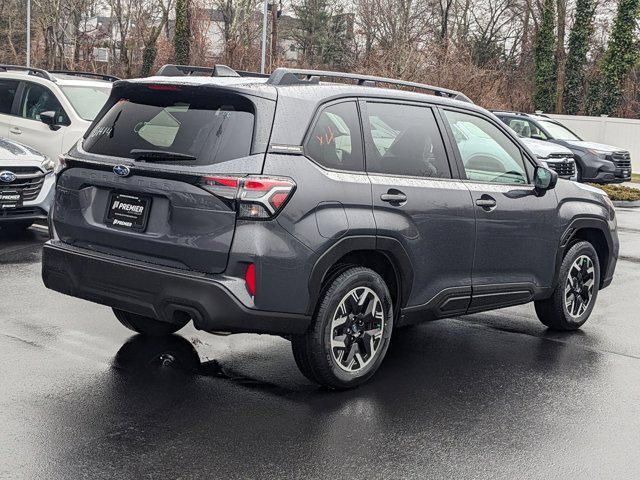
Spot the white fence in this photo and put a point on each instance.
(619, 132)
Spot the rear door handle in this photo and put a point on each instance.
(15, 130)
(487, 202)
(394, 197)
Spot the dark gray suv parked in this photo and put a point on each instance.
(595, 162)
(328, 213)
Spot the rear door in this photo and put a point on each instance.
(152, 181)
(419, 201)
(517, 229)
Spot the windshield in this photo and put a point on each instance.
(176, 125)
(557, 131)
(86, 101)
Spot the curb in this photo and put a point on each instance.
(620, 203)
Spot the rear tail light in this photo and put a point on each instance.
(225, 187)
(256, 197)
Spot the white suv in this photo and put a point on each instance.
(49, 111)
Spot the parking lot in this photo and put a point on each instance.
(489, 395)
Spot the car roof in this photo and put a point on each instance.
(58, 79)
(62, 79)
(319, 92)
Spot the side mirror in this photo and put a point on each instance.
(544, 178)
(49, 118)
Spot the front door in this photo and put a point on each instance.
(8, 90)
(26, 126)
(419, 201)
(517, 230)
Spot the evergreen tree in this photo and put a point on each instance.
(323, 34)
(579, 38)
(620, 57)
(544, 96)
(182, 35)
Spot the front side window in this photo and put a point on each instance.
(38, 99)
(87, 101)
(198, 127)
(335, 140)
(8, 90)
(406, 141)
(526, 129)
(488, 155)
(558, 132)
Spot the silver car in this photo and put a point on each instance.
(26, 185)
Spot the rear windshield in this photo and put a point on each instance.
(196, 126)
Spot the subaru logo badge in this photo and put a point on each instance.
(7, 177)
(121, 170)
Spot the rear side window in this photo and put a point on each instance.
(185, 126)
(8, 90)
(405, 140)
(526, 129)
(335, 141)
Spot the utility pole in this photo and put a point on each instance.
(274, 34)
(28, 33)
(263, 60)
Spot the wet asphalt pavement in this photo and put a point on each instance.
(491, 395)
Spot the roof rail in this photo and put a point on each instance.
(108, 78)
(296, 76)
(215, 71)
(38, 72)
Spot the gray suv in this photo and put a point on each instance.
(595, 162)
(328, 213)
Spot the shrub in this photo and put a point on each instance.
(620, 192)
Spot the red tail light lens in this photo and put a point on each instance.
(256, 197)
(250, 279)
(225, 187)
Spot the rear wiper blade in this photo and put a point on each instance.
(160, 156)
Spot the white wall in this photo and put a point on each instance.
(619, 132)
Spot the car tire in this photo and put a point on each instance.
(350, 331)
(147, 325)
(576, 291)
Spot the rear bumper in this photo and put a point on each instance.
(157, 292)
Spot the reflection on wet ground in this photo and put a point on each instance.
(492, 395)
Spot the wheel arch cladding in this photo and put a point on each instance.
(597, 238)
(596, 232)
(385, 256)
